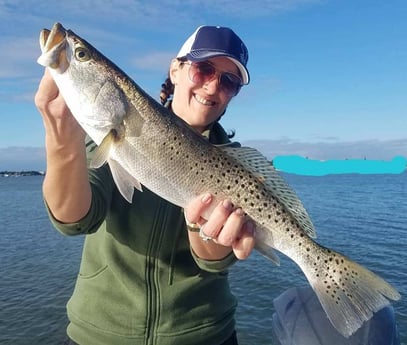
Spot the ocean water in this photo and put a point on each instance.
(362, 216)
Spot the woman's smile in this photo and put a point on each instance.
(204, 101)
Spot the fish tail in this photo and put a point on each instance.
(348, 292)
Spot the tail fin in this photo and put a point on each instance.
(348, 292)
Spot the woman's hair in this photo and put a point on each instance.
(167, 90)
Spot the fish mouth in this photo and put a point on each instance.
(52, 45)
(50, 39)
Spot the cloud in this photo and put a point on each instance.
(155, 61)
(18, 56)
(15, 97)
(324, 150)
(19, 72)
(22, 158)
(167, 11)
(258, 8)
(103, 21)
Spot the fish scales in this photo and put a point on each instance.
(204, 167)
(191, 162)
(145, 144)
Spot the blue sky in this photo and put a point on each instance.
(328, 77)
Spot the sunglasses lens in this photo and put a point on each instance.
(202, 72)
(230, 83)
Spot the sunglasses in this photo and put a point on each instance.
(203, 72)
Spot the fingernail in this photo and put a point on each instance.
(207, 198)
(239, 212)
(227, 204)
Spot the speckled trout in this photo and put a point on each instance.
(146, 145)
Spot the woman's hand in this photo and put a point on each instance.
(227, 226)
(66, 186)
(61, 127)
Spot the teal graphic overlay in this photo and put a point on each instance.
(304, 166)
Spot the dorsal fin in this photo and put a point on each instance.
(254, 161)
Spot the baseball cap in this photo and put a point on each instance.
(213, 41)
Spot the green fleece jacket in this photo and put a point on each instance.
(139, 282)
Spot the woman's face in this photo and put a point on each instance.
(200, 104)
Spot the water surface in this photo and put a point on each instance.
(363, 216)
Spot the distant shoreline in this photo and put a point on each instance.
(21, 173)
(299, 165)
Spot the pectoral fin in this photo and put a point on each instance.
(103, 151)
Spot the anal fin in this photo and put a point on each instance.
(268, 252)
(124, 181)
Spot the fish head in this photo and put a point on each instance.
(86, 80)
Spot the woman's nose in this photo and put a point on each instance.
(211, 86)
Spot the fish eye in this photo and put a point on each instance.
(82, 54)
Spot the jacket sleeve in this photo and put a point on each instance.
(102, 188)
(215, 266)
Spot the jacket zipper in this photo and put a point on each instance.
(152, 276)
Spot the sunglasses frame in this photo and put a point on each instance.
(231, 88)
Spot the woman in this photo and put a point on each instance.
(144, 278)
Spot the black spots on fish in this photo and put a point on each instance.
(333, 293)
(174, 147)
(265, 206)
(331, 287)
(339, 276)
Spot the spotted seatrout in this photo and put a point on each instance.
(145, 144)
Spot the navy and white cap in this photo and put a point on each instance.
(213, 41)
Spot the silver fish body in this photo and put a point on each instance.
(145, 144)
